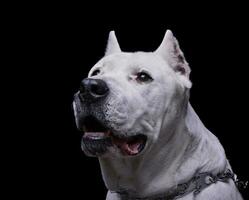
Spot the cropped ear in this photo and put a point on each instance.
(112, 44)
(170, 50)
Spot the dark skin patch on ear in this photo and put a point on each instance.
(181, 69)
(178, 54)
(175, 48)
(180, 59)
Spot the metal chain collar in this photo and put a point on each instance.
(198, 183)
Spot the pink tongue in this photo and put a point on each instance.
(130, 149)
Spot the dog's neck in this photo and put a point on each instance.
(179, 154)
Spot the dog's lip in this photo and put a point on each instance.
(128, 145)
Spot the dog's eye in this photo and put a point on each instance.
(95, 72)
(143, 77)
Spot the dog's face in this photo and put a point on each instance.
(120, 107)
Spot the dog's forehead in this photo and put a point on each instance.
(131, 61)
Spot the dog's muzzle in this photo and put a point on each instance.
(98, 136)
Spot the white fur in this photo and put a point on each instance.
(112, 45)
(178, 145)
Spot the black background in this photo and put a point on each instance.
(57, 45)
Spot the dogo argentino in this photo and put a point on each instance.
(136, 117)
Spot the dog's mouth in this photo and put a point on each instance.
(97, 138)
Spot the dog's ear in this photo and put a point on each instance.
(112, 44)
(171, 52)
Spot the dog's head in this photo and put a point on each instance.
(127, 97)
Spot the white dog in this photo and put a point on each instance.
(135, 113)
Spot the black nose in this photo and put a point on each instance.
(93, 88)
